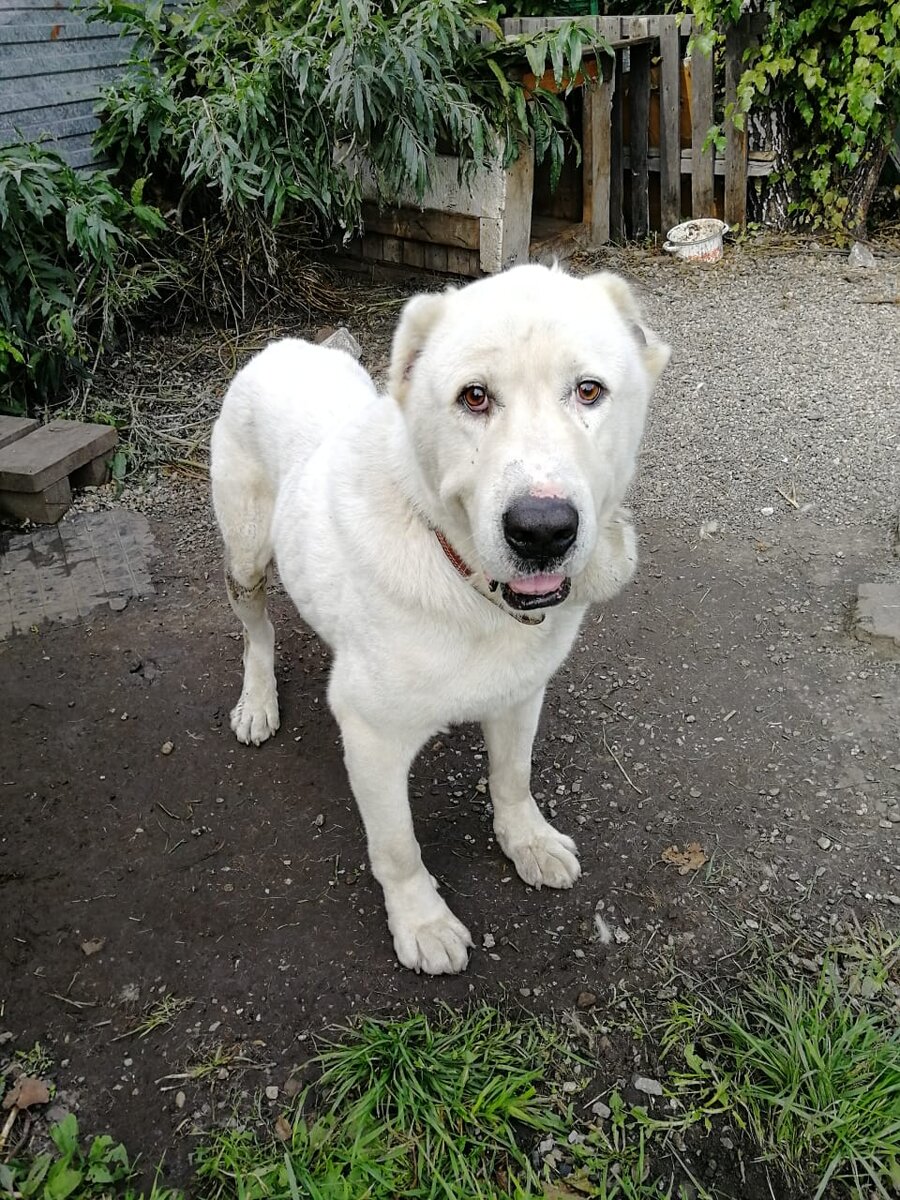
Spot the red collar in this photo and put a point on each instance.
(457, 563)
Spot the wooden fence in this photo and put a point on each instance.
(646, 122)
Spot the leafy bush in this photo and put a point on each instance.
(256, 110)
(71, 263)
(833, 66)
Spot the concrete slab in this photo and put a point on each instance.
(878, 613)
(65, 572)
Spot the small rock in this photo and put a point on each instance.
(823, 843)
(586, 1000)
(570, 1087)
(579, 953)
(601, 1110)
(650, 1087)
(488, 941)
(180, 1099)
(167, 748)
(118, 603)
(893, 815)
(767, 511)
(861, 256)
(343, 339)
(272, 1092)
(5, 1037)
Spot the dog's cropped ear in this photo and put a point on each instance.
(656, 354)
(419, 317)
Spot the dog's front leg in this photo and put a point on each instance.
(542, 855)
(427, 936)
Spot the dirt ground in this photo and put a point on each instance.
(721, 700)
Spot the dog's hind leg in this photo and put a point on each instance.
(542, 855)
(255, 716)
(244, 502)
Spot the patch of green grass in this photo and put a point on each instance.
(443, 1107)
(419, 1107)
(69, 1172)
(809, 1071)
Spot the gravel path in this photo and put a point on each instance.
(784, 376)
(783, 396)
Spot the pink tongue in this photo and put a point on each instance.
(536, 585)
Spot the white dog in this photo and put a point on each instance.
(445, 539)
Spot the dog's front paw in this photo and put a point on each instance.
(427, 936)
(255, 716)
(544, 857)
(437, 947)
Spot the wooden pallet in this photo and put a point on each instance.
(41, 464)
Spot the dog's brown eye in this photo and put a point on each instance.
(589, 391)
(475, 398)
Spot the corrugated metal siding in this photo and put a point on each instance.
(52, 67)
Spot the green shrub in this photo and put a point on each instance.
(833, 68)
(254, 110)
(71, 263)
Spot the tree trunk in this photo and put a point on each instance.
(769, 129)
(861, 187)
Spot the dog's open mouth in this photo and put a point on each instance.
(535, 591)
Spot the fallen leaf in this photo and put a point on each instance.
(93, 946)
(691, 858)
(283, 1129)
(25, 1092)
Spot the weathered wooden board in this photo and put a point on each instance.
(639, 123)
(13, 428)
(52, 452)
(441, 228)
(735, 139)
(670, 136)
(702, 161)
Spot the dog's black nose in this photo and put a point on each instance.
(541, 528)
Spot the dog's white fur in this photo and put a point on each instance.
(344, 488)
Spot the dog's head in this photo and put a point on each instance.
(525, 396)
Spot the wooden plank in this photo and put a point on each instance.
(703, 163)
(53, 27)
(669, 122)
(43, 119)
(412, 254)
(52, 452)
(20, 96)
(759, 163)
(735, 139)
(639, 125)
(25, 62)
(616, 157)
(463, 262)
(440, 228)
(597, 129)
(435, 257)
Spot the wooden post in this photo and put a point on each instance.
(735, 139)
(597, 127)
(617, 158)
(639, 119)
(669, 123)
(703, 163)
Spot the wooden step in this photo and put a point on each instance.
(39, 468)
(13, 428)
